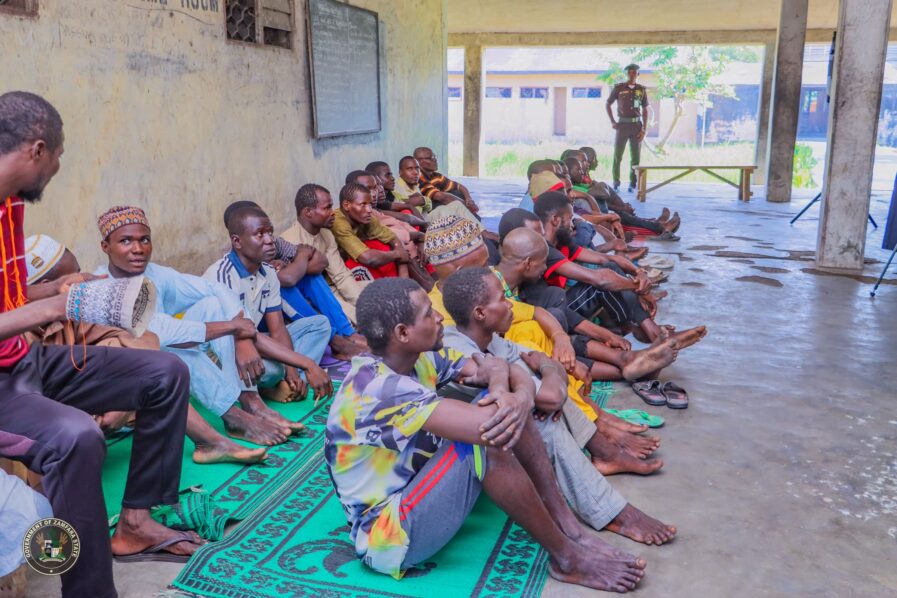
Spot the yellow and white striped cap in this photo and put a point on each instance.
(41, 254)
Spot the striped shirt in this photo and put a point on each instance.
(430, 185)
(259, 293)
(12, 215)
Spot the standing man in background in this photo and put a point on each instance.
(631, 122)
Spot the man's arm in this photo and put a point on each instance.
(278, 332)
(375, 258)
(342, 278)
(610, 100)
(604, 279)
(31, 315)
(563, 348)
(552, 392)
(317, 378)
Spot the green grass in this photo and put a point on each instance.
(511, 160)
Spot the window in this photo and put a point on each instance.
(534, 93)
(20, 7)
(811, 101)
(586, 92)
(269, 22)
(454, 93)
(498, 92)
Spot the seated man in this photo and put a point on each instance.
(213, 338)
(370, 249)
(46, 404)
(392, 202)
(305, 292)
(439, 188)
(602, 191)
(408, 466)
(474, 298)
(524, 255)
(247, 271)
(408, 189)
(453, 244)
(49, 261)
(314, 219)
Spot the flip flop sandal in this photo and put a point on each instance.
(158, 553)
(638, 417)
(657, 261)
(676, 396)
(650, 392)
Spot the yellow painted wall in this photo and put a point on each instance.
(163, 112)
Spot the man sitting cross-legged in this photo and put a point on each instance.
(314, 219)
(453, 244)
(56, 262)
(212, 338)
(370, 249)
(305, 292)
(247, 271)
(475, 299)
(46, 401)
(408, 466)
(407, 188)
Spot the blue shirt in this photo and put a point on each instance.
(175, 294)
(259, 293)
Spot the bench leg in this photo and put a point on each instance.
(745, 185)
(642, 185)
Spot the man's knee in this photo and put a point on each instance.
(79, 436)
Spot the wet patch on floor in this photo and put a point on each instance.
(707, 247)
(771, 269)
(742, 261)
(695, 269)
(685, 258)
(857, 277)
(770, 282)
(743, 238)
(692, 283)
(745, 255)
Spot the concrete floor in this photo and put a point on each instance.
(781, 476)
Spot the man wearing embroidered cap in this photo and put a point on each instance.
(46, 399)
(48, 259)
(631, 122)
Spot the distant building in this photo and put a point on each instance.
(533, 94)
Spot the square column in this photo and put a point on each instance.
(861, 48)
(789, 66)
(473, 109)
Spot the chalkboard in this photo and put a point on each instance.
(344, 59)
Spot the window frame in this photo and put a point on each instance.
(587, 95)
(535, 93)
(500, 96)
(260, 29)
(452, 88)
(29, 11)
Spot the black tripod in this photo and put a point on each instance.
(814, 200)
(883, 272)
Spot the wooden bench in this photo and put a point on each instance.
(743, 185)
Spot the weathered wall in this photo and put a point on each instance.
(162, 111)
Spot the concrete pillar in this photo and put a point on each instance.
(786, 99)
(762, 149)
(860, 52)
(473, 108)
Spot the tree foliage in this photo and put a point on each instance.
(683, 73)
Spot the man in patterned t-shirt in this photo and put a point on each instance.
(408, 465)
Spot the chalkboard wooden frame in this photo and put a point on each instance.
(319, 133)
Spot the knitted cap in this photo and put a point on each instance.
(41, 254)
(451, 238)
(115, 218)
(544, 182)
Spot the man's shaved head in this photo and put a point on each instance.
(522, 243)
(420, 151)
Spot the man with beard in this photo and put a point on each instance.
(314, 221)
(46, 402)
(408, 465)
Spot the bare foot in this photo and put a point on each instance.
(636, 445)
(228, 452)
(672, 225)
(136, 531)
(650, 360)
(687, 338)
(590, 540)
(660, 295)
(253, 403)
(609, 419)
(609, 458)
(595, 570)
(344, 348)
(635, 254)
(254, 429)
(637, 526)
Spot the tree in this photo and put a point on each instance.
(683, 73)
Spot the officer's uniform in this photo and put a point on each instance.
(630, 101)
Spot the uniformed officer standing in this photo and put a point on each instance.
(632, 118)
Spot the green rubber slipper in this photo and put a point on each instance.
(638, 417)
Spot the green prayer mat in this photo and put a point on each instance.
(293, 539)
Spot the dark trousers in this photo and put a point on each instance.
(45, 408)
(627, 133)
(627, 219)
